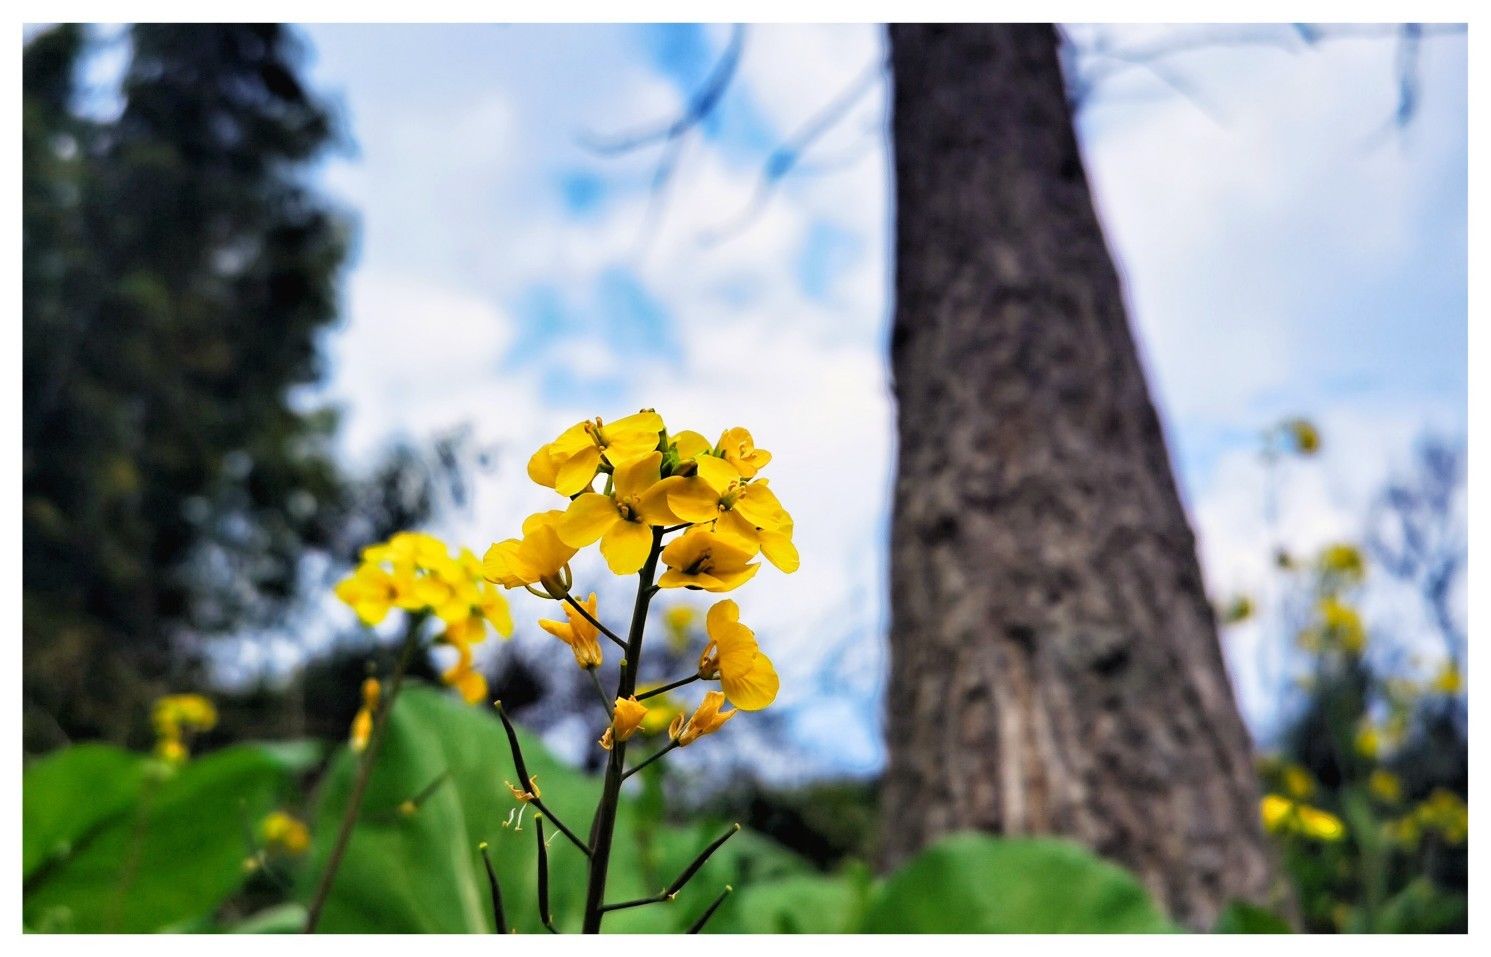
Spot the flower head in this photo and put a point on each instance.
(622, 520)
(1282, 815)
(702, 559)
(626, 719)
(747, 676)
(284, 833)
(738, 448)
(706, 719)
(539, 557)
(176, 717)
(569, 463)
(581, 636)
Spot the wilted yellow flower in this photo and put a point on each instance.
(1385, 786)
(1283, 816)
(581, 636)
(706, 719)
(523, 797)
(702, 559)
(570, 462)
(622, 520)
(285, 834)
(1448, 680)
(540, 557)
(747, 676)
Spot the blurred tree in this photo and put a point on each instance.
(177, 273)
(1055, 667)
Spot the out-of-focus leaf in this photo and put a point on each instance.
(1240, 917)
(69, 793)
(1420, 908)
(173, 856)
(281, 919)
(974, 884)
(797, 905)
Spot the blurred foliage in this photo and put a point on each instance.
(177, 277)
(194, 849)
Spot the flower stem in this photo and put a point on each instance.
(585, 613)
(604, 826)
(364, 774)
(664, 750)
(668, 687)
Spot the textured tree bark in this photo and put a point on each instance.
(1055, 667)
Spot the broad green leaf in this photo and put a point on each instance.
(1240, 917)
(423, 872)
(69, 793)
(796, 905)
(975, 884)
(175, 855)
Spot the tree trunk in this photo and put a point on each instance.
(1054, 660)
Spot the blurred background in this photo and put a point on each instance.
(289, 290)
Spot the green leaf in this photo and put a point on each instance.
(280, 919)
(172, 857)
(423, 872)
(796, 905)
(71, 792)
(1240, 917)
(975, 884)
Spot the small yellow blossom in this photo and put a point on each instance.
(1448, 680)
(1239, 609)
(738, 448)
(540, 557)
(1339, 627)
(703, 560)
(362, 722)
(1386, 786)
(627, 718)
(581, 636)
(569, 463)
(1445, 813)
(1368, 741)
(678, 620)
(463, 676)
(1303, 435)
(283, 833)
(1343, 561)
(746, 675)
(1284, 816)
(622, 520)
(176, 717)
(706, 719)
(748, 512)
(1297, 781)
(661, 710)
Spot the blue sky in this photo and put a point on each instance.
(1281, 254)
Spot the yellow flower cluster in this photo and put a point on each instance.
(176, 717)
(1285, 816)
(1337, 626)
(1442, 813)
(417, 573)
(652, 480)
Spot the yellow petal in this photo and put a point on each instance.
(576, 472)
(587, 519)
(691, 499)
(690, 444)
(636, 477)
(717, 472)
(721, 614)
(731, 580)
(626, 546)
(755, 688)
(541, 467)
(779, 550)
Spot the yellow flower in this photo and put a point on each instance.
(569, 463)
(622, 520)
(1445, 812)
(1368, 741)
(628, 717)
(539, 557)
(1282, 816)
(701, 559)
(1385, 786)
(739, 449)
(678, 620)
(1341, 626)
(747, 676)
(171, 750)
(1303, 435)
(1448, 680)
(706, 719)
(1297, 782)
(746, 511)
(362, 722)
(372, 591)
(581, 636)
(178, 712)
(283, 833)
(1344, 561)
(463, 676)
(1239, 609)
(407, 549)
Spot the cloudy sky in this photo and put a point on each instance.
(1286, 251)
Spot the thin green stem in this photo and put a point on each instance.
(668, 687)
(526, 779)
(671, 891)
(544, 913)
(664, 750)
(604, 827)
(364, 774)
(595, 679)
(698, 925)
